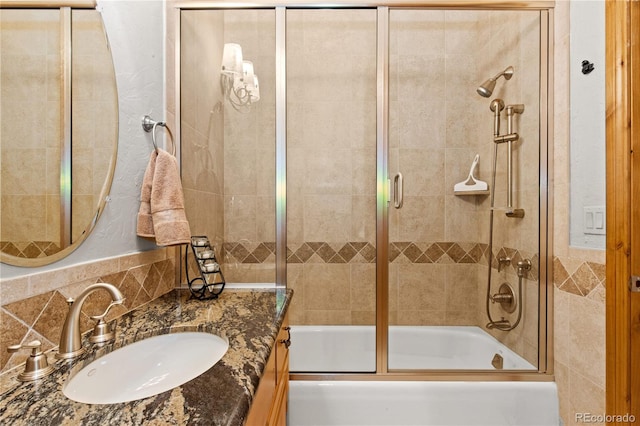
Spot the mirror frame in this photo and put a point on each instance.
(106, 188)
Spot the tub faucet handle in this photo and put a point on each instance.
(503, 261)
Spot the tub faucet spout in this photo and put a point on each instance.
(500, 325)
(70, 339)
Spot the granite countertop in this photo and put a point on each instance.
(250, 319)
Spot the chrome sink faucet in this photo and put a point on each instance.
(70, 339)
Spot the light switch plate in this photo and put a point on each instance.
(595, 220)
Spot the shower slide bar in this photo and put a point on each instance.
(509, 138)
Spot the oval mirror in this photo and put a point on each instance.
(58, 131)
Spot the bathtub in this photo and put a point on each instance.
(323, 403)
(352, 349)
(404, 403)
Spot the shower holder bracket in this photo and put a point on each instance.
(517, 213)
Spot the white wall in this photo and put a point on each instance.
(588, 178)
(135, 30)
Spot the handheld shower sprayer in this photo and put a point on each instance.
(486, 88)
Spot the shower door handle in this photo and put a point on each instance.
(398, 190)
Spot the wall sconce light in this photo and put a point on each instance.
(239, 82)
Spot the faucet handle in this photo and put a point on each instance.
(102, 333)
(37, 365)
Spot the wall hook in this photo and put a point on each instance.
(587, 67)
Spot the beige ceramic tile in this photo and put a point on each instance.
(421, 287)
(584, 397)
(327, 287)
(328, 317)
(561, 372)
(143, 258)
(587, 338)
(363, 287)
(12, 290)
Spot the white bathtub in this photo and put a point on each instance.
(434, 403)
(336, 403)
(352, 349)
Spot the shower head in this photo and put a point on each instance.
(486, 88)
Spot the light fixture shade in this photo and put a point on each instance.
(254, 93)
(247, 74)
(232, 59)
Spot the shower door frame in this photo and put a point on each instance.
(544, 370)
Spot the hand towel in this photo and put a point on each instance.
(145, 221)
(164, 209)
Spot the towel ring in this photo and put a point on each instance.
(149, 126)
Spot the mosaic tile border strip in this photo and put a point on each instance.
(41, 316)
(365, 252)
(587, 279)
(29, 249)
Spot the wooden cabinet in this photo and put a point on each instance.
(269, 407)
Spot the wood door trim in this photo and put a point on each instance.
(634, 212)
(619, 121)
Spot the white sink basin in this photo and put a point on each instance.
(146, 368)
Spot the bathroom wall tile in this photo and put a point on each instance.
(531, 314)
(328, 317)
(393, 292)
(240, 171)
(409, 129)
(463, 317)
(531, 353)
(240, 213)
(462, 220)
(14, 289)
(586, 279)
(587, 338)
(141, 298)
(363, 317)
(328, 172)
(142, 258)
(363, 287)
(461, 28)
(421, 287)
(49, 323)
(424, 170)
(326, 287)
(422, 219)
(561, 220)
(29, 312)
(584, 397)
(420, 317)
(417, 32)
(561, 373)
(325, 221)
(461, 290)
(237, 274)
(598, 294)
(12, 332)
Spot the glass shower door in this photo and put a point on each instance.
(438, 240)
(331, 186)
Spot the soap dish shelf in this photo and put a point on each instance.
(211, 281)
(484, 192)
